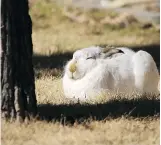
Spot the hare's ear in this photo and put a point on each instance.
(107, 49)
(110, 51)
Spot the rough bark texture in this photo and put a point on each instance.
(18, 98)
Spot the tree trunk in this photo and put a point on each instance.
(17, 75)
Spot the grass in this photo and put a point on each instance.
(113, 132)
(62, 121)
(55, 33)
(113, 121)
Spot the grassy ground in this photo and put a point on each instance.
(116, 121)
(113, 132)
(56, 33)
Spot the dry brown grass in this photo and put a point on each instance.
(118, 121)
(54, 33)
(64, 122)
(113, 132)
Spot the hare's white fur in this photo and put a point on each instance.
(125, 73)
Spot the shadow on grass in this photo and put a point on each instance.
(59, 60)
(137, 108)
(52, 61)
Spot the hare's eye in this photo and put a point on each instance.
(90, 58)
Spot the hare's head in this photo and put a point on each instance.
(83, 62)
(86, 59)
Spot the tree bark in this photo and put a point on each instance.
(18, 98)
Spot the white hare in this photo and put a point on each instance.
(91, 72)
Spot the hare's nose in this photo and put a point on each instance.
(72, 67)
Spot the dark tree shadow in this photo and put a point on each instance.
(59, 60)
(52, 61)
(113, 109)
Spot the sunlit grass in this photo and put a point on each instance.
(53, 32)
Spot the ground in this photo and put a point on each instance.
(123, 121)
